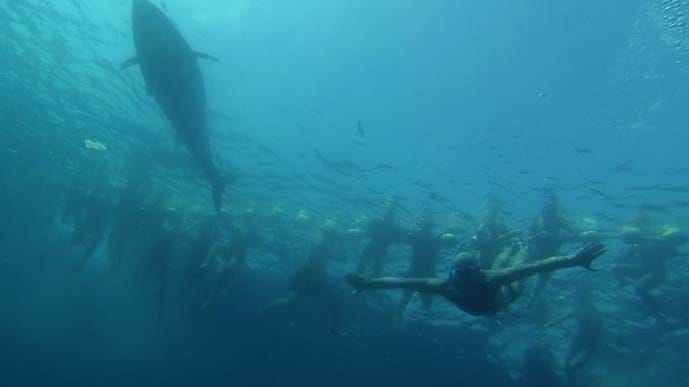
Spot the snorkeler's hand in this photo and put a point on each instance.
(357, 282)
(588, 253)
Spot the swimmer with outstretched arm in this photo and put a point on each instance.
(475, 290)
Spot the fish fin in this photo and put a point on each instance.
(131, 62)
(201, 55)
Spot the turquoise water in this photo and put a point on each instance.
(326, 110)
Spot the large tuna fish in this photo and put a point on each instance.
(173, 77)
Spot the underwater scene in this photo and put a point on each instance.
(344, 193)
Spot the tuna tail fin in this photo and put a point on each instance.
(201, 55)
(129, 63)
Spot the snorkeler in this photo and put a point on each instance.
(538, 367)
(199, 248)
(492, 235)
(232, 255)
(162, 227)
(475, 290)
(92, 226)
(73, 208)
(128, 217)
(547, 233)
(426, 248)
(650, 247)
(311, 280)
(382, 233)
(587, 337)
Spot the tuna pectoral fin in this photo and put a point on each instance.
(200, 55)
(131, 62)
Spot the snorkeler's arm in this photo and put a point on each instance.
(583, 258)
(424, 285)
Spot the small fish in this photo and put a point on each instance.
(583, 151)
(382, 166)
(437, 198)
(681, 203)
(95, 145)
(360, 129)
(624, 167)
(421, 184)
(542, 95)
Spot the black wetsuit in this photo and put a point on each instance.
(425, 254)
(310, 278)
(489, 241)
(589, 332)
(382, 234)
(472, 292)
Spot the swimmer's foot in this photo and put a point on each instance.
(588, 253)
(356, 281)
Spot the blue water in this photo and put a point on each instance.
(323, 109)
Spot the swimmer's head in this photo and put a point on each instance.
(455, 229)
(425, 223)
(549, 198)
(240, 234)
(631, 234)
(449, 237)
(465, 259)
(673, 234)
(389, 202)
(490, 208)
(389, 207)
(302, 216)
(328, 228)
(466, 269)
(551, 206)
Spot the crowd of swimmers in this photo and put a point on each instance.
(486, 268)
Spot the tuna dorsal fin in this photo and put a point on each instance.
(201, 55)
(131, 62)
